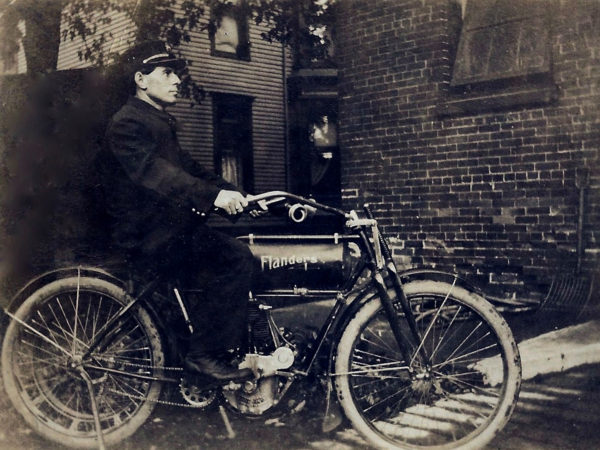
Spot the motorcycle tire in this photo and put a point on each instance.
(40, 363)
(460, 386)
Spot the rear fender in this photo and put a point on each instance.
(56, 274)
(83, 271)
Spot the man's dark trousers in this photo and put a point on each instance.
(222, 267)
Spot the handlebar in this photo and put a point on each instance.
(299, 210)
(302, 208)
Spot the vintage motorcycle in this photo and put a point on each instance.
(417, 359)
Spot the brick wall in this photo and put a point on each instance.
(494, 193)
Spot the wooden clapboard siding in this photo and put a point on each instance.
(119, 37)
(261, 78)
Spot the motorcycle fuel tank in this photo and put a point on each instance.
(298, 264)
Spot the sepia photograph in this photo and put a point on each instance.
(299, 224)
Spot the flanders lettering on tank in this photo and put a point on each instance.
(269, 262)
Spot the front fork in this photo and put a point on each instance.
(382, 261)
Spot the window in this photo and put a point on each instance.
(502, 39)
(503, 56)
(232, 115)
(229, 36)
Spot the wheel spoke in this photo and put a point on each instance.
(385, 345)
(460, 382)
(38, 346)
(96, 318)
(60, 305)
(78, 324)
(442, 339)
(45, 325)
(68, 336)
(376, 355)
(124, 385)
(54, 361)
(122, 336)
(372, 393)
(57, 323)
(462, 357)
(76, 313)
(465, 339)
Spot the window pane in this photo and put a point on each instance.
(227, 36)
(324, 133)
(231, 168)
(501, 40)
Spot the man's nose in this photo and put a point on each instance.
(176, 79)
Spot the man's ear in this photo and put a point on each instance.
(140, 80)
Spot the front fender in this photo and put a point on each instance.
(438, 275)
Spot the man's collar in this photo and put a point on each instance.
(139, 103)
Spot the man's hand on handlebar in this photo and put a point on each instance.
(232, 202)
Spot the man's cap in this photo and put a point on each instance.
(150, 54)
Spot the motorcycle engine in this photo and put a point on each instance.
(273, 349)
(254, 397)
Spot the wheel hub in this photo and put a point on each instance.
(422, 381)
(75, 361)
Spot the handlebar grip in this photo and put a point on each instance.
(297, 213)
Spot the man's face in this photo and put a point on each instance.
(160, 85)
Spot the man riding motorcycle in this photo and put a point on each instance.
(152, 187)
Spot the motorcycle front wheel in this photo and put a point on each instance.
(41, 363)
(457, 389)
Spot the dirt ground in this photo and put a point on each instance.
(555, 412)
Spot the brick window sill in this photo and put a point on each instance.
(486, 102)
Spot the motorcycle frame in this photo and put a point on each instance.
(378, 259)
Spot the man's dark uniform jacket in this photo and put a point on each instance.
(151, 184)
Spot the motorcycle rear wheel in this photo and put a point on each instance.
(59, 321)
(458, 396)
